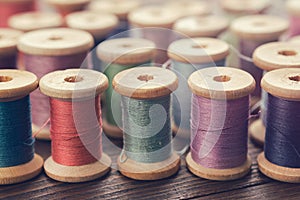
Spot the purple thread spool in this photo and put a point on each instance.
(293, 8)
(219, 123)
(49, 50)
(269, 57)
(284, 86)
(253, 31)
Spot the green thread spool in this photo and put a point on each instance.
(118, 55)
(146, 95)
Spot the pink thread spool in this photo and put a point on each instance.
(11, 7)
(201, 26)
(219, 123)
(269, 57)
(293, 9)
(253, 31)
(48, 50)
(155, 23)
(8, 48)
(65, 7)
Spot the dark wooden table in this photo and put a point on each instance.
(183, 185)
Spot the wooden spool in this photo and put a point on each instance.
(65, 6)
(280, 83)
(220, 84)
(269, 57)
(132, 83)
(15, 85)
(201, 26)
(126, 52)
(245, 7)
(89, 85)
(8, 41)
(54, 42)
(31, 21)
(97, 24)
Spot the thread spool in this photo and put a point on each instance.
(254, 31)
(76, 143)
(11, 7)
(280, 160)
(161, 20)
(48, 50)
(146, 96)
(118, 55)
(269, 57)
(220, 112)
(293, 9)
(8, 47)
(189, 55)
(201, 26)
(18, 161)
(65, 7)
(30, 21)
(120, 8)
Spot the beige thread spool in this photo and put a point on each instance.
(65, 7)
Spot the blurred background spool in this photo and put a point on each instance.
(76, 126)
(147, 153)
(253, 31)
(8, 48)
(18, 162)
(118, 55)
(65, 7)
(280, 159)
(48, 50)
(188, 56)
(293, 10)
(219, 123)
(269, 57)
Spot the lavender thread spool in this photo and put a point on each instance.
(253, 31)
(8, 48)
(49, 50)
(269, 57)
(293, 9)
(189, 55)
(281, 160)
(219, 123)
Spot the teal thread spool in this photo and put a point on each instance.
(146, 94)
(18, 162)
(188, 56)
(118, 55)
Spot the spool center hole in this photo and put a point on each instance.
(259, 23)
(156, 12)
(73, 79)
(295, 78)
(287, 53)
(145, 78)
(55, 38)
(222, 78)
(199, 46)
(5, 78)
(125, 45)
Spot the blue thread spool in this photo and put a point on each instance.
(281, 160)
(18, 162)
(269, 57)
(188, 56)
(146, 107)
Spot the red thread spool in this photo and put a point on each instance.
(76, 125)
(11, 7)
(65, 7)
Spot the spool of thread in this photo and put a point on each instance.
(254, 31)
(201, 26)
(49, 50)
(280, 159)
(30, 21)
(293, 9)
(188, 56)
(120, 8)
(189, 7)
(18, 162)
(219, 123)
(65, 7)
(269, 57)
(8, 48)
(118, 55)
(155, 23)
(76, 125)
(11, 7)
(147, 152)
